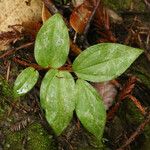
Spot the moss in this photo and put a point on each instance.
(5, 96)
(141, 69)
(133, 115)
(118, 4)
(13, 141)
(145, 79)
(6, 89)
(1, 112)
(94, 144)
(122, 5)
(146, 144)
(139, 5)
(36, 139)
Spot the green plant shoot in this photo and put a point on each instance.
(60, 96)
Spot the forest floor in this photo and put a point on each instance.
(22, 123)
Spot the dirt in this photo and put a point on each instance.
(22, 122)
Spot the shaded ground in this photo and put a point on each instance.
(22, 122)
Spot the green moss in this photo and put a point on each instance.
(36, 139)
(141, 69)
(6, 89)
(13, 141)
(1, 112)
(122, 5)
(146, 144)
(5, 96)
(139, 5)
(133, 115)
(118, 4)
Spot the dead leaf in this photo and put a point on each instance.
(114, 16)
(14, 12)
(80, 17)
(31, 29)
(76, 3)
(45, 13)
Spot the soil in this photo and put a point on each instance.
(22, 121)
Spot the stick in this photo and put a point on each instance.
(91, 17)
(10, 52)
(51, 7)
(137, 104)
(136, 133)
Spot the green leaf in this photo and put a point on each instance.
(25, 81)
(57, 98)
(52, 43)
(104, 61)
(90, 108)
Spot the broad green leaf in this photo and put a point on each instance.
(90, 108)
(104, 61)
(52, 43)
(57, 98)
(25, 81)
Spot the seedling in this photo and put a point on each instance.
(60, 95)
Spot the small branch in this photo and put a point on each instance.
(24, 63)
(147, 3)
(10, 52)
(8, 70)
(51, 7)
(112, 112)
(91, 17)
(128, 88)
(136, 133)
(138, 104)
(125, 92)
(38, 67)
(67, 67)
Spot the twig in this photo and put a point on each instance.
(138, 104)
(91, 17)
(147, 3)
(24, 63)
(51, 7)
(37, 67)
(102, 24)
(10, 52)
(66, 67)
(133, 13)
(128, 88)
(125, 92)
(113, 110)
(136, 133)
(8, 71)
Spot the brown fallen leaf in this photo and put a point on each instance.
(80, 17)
(45, 13)
(77, 3)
